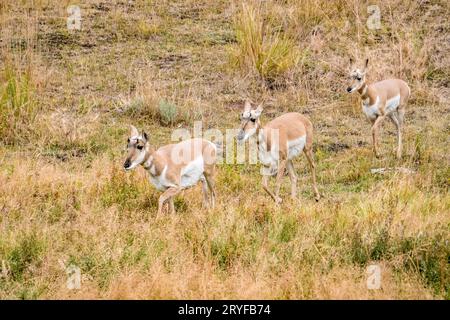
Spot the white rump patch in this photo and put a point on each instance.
(392, 104)
(192, 173)
(295, 147)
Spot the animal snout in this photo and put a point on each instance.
(127, 164)
(349, 89)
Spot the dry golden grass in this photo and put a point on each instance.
(65, 200)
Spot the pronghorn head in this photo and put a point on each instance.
(249, 121)
(137, 146)
(357, 76)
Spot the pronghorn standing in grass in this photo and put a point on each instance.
(174, 167)
(381, 99)
(279, 142)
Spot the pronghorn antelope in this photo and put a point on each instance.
(279, 142)
(174, 167)
(381, 99)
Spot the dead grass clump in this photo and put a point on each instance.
(146, 106)
(18, 106)
(270, 53)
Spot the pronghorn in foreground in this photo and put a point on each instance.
(279, 142)
(174, 167)
(381, 99)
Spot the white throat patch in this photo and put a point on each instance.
(249, 133)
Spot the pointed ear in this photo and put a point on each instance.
(258, 111)
(247, 106)
(144, 135)
(351, 65)
(133, 131)
(366, 64)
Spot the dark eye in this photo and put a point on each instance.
(358, 78)
(252, 120)
(140, 147)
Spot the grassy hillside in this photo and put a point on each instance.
(67, 98)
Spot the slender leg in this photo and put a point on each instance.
(265, 184)
(211, 185)
(374, 140)
(280, 174)
(375, 134)
(312, 165)
(165, 207)
(395, 120)
(169, 193)
(293, 177)
(400, 118)
(171, 206)
(205, 193)
(401, 115)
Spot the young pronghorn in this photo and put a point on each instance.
(174, 167)
(279, 142)
(381, 99)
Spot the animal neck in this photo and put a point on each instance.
(265, 139)
(258, 130)
(149, 158)
(364, 91)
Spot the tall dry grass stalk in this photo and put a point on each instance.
(18, 107)
(259, 48)
(19, 77)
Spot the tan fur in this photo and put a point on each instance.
(175, 158)
(387, 89)
(190, 149)
(290, 127)
(375, 102)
